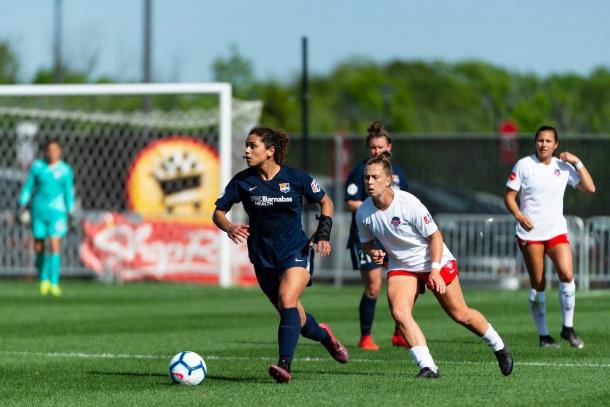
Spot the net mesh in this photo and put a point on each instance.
(155, 162)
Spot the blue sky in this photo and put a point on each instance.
(537, 36)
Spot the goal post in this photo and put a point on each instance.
(224, 122)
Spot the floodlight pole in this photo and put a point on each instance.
(58, 71)
(304, 118)
(304, 108)
(146, 52)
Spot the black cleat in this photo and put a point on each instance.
(427, 373)
(547, 341)
(505, 360)
(569, 334)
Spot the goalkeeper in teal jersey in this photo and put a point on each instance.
(50, 189)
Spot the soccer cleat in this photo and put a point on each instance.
(427, 373)
(45, 286)
(569, 334)
(505, 361)
(281, 372)
(55, 290)
(366, 343)
(547, 341)
(398, 340)
(333, 346)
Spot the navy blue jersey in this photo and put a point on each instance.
(274, 209)
(355, 190)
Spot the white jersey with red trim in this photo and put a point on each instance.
(402, 229)
(541, 188)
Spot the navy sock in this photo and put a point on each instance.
(288, 332)
(311, 329)
(367, 314)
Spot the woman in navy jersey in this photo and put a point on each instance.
(378, 141)
(540, 181)
(279, 249)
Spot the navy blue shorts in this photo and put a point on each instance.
(361, 260)
(269, 278)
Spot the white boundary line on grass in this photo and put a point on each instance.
(305, 359)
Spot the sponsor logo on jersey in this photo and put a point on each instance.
(427, 219)
(352, 189)
(269, 200)
(252, 188)
(557, 172)
(315, 187)
(512, 176)
(284, 187)
(395, 221)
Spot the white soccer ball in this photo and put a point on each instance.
(187, 368)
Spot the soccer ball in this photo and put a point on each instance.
(187, 368)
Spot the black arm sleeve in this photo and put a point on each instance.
(325, 224)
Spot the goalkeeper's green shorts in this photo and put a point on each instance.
(56, 226)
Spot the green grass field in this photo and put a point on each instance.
(110, 345)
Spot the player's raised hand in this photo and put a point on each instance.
(323, 247)
(436, 282)
(378, 255)
(238, 233)
(526, 222)
(568, 157)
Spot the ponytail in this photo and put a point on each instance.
(282, 151)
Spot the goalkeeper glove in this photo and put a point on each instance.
(24, 217)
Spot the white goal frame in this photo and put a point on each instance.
(222, 89)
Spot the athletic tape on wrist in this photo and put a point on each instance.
(435, 265)
(578, 165)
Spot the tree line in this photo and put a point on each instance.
(409, 96)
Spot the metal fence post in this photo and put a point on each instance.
(340, 218)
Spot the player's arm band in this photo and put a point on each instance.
(325, 224)
(578, 165)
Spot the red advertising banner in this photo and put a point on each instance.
(159, 250)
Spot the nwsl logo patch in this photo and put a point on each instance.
(557, 172)
(427, 219)
(284, 187)
(395, 221)
(512, 176)
(315, 187)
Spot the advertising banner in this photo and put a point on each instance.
(169, 234)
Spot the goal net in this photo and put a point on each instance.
(149, 161)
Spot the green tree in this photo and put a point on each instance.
(9, 64)
(237, 70)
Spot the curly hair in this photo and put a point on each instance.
(273, 138)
